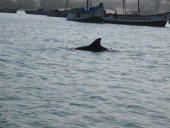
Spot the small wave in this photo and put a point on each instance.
(3, 60)
(135, 107)
(131, 125)
(113, 50)
(93, 119)
(51, 40)
(82, 105)
(63, 113)
(98, 98)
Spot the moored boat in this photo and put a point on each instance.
(57, 13)
(169, 17)
(40, 11)
(158, 20)
(91, 15)
(5, 10)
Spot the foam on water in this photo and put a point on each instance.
(44, 82)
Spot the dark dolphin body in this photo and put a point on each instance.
(94, 47)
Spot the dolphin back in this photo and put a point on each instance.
(94, 47)
(83, 48)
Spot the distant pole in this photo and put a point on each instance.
(87, 4)
(90, 3)
(138, 7)
(67, 5)
(123, 6)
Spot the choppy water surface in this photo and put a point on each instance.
(45, 83)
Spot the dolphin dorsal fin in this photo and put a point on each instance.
(96, 42)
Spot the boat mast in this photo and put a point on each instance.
(124, 8)
(87, 4)
(67, 5)
(90, 4)
(138, 7)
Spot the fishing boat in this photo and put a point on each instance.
(158, 20)
(88, 14)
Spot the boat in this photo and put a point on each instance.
(57, 13)
(169, 17)
(40, 11)
(88, 14)
(157, 20)
(6, 10)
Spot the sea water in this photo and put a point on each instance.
(46, 83)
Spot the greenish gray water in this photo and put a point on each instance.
(45, 83)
